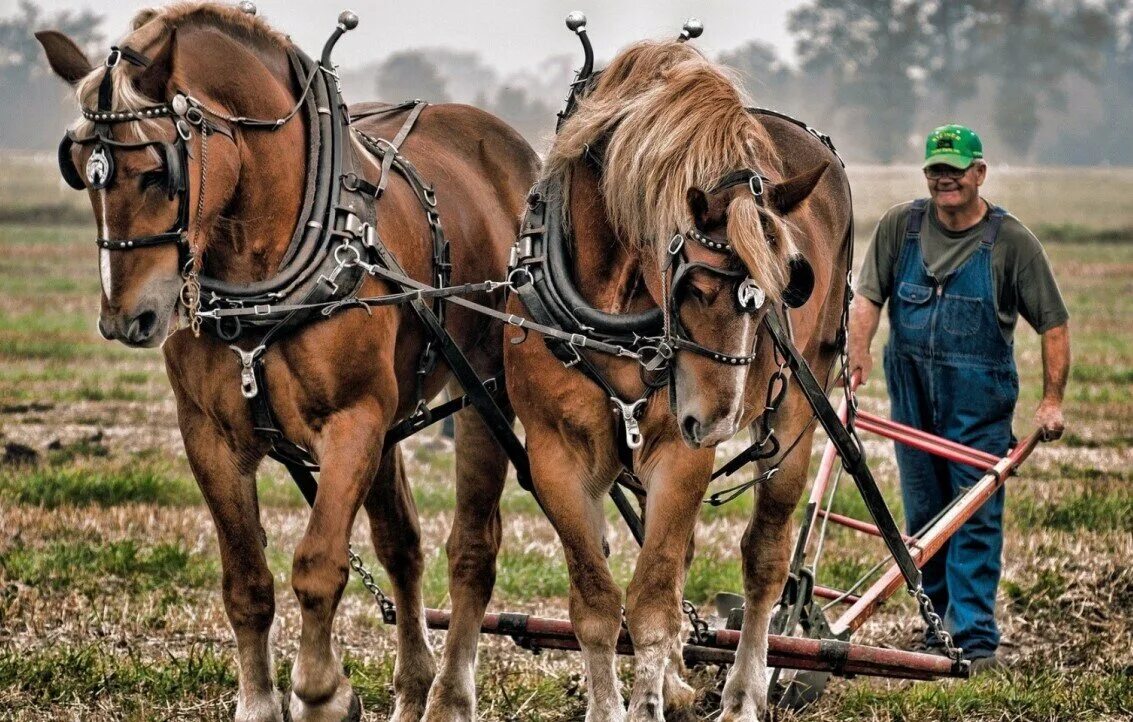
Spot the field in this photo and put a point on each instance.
(109, 573)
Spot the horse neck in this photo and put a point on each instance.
(248, 239)
(608, 273)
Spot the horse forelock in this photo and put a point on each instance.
(672, 120)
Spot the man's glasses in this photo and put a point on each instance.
(936, 172)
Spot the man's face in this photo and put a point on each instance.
(954, 189)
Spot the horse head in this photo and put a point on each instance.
(173, 184)
(692, 184)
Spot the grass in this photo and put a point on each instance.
(109, 576)
(96, 566)
(97, 483)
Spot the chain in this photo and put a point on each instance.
(936, 625)
(699, 626)
(191, 288)
(389, 613)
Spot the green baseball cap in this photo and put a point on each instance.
(954, 145)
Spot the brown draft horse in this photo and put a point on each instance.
(672, 125)
(338, 384)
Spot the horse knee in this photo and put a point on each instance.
(317, 576)
(250, 603)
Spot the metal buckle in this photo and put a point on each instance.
(629, 414)
(752, 182)
(113, 58)
(248, 386)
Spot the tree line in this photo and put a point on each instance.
(1044, 81)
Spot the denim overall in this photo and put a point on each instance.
(951, 373)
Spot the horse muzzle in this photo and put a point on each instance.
(144, 328)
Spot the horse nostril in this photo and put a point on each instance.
(691, 427)
(142, 327)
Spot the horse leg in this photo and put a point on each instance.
(678, 695)
(396, 534)
(481, 469)
(227, 480)
(676, 482)
(573, 502)
(766, 549)
(351, 451)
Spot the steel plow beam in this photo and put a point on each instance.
(823, 655)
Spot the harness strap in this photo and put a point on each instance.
(849, 449)
(395, 145)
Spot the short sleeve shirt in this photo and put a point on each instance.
(1021, 271)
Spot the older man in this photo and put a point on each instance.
(957, 272)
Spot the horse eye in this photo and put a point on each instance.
(151, 178)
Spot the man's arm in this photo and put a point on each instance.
(1056, 368)
(864, 318)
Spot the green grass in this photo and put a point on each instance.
(1087, 512)
(94, 566)
(61, 674)
(1031, 693)
(97, 483)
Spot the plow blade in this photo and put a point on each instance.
(718, 647)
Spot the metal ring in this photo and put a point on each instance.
(751, 184)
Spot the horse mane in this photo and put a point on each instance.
(671, 120)
(149, 23)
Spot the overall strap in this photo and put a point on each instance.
(917, 213)
(995, 218)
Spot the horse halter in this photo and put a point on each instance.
(748, 295)
(99, 172)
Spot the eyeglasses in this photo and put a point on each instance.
(936, 172)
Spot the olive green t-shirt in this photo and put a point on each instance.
(1024, 281)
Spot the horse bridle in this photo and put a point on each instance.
(677, 268)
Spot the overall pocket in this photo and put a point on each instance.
(962, 314)
(913, 309)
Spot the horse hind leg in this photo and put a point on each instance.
(229, 490)
(474, 541)
(396, 534)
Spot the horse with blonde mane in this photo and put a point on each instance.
(687, 212)
(169, 137)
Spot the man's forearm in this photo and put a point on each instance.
(865, 316)
(1056, 362)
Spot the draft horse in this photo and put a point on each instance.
(196, 202)
(690, 218)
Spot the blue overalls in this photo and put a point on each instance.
(951, 373)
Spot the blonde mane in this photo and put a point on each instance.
(672, 120)
(147, 26)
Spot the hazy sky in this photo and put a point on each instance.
(509, 35)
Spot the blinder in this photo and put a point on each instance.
(67, 164)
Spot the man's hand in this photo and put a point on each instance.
(864, 317)
(1049, 419)
(861, 363)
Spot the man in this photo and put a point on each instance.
(957, 272)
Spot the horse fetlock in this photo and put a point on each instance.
(452, 698)
(260, 707)
(341, 706)
(744, 702)
(412, 681)
(648, 709)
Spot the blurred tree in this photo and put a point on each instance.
(874, 50)
(1037, 45)
(532, 117)
(32, 108)
(409, 74)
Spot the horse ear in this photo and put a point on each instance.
(698, 205)
(65, 57)
(791, 192)
(154, 78)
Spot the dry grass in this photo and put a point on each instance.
(109, 606)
